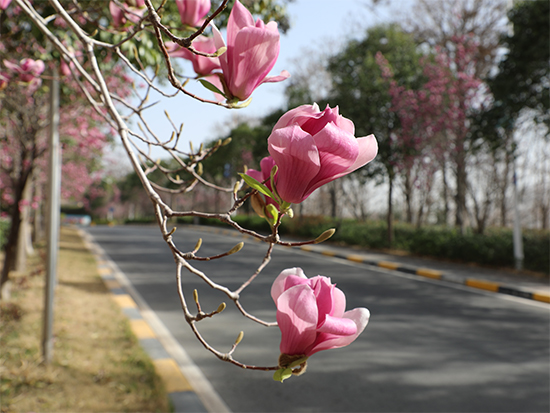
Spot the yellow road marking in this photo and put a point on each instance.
(124, 301)
(482, 285)
(170, 373)
(141, 329)
(426, 272)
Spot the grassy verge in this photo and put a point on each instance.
(97, 366)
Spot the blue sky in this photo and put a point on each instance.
(314, 24)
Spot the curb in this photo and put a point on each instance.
(183, 396)
(419, 271)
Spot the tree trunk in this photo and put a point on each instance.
(445, 194)
(408, 196)
(10, 249)
(24, 242)
(461, 187)
(390, 210)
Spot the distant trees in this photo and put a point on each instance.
(25, 68)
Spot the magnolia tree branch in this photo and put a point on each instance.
(92, 82)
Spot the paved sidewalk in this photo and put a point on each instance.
(516, 283)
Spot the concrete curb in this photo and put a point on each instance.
(180, 385)
(419, 271)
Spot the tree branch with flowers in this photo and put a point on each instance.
(308, 146)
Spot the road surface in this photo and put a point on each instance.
(429, 346)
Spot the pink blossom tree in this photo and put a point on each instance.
(24, 106)
(435, 119)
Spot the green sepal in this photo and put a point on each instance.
(296, 363)
(282, 374)
(220, 51)
(271, 210)
(251, 182)
(239, 105)
(211, 87)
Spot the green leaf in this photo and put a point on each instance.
(211, 87)
(282, 374)
(251, 182)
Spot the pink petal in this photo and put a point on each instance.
(298, 116)
(337, 152)
(327, 341)
(257, 175)
(339, 303)
(273, 79)
(323, 290)
(250, 59)
(338, 326)
(239, 18)
(219, 43)
(368, 148)
(297, 157)
(297, 319)
(279, 284)
(267, 165)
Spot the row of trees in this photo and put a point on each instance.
(26, 69)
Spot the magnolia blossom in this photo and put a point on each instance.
(201, 65)
(192, 12)
(313, 147)
(27, 69)
(311, 314)
(4, 4)
(133, 10)
(252, 50)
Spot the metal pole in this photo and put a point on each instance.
(54, 189)
(518, 241)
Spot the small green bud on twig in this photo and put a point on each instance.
(198, 245)
(236, 248)
(325, 235)
(221, 307)
(239, 337)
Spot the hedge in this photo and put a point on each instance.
(493, 248)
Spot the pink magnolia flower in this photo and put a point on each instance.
(4, 4)
(133, 11)
(252, 50)
(201, 65)
(192, 12)
(313, 147)
(27, 69)
(311, 314)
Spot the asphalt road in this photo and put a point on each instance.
(429, 346)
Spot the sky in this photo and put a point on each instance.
(315, 25)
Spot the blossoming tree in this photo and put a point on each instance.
(308, 146)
